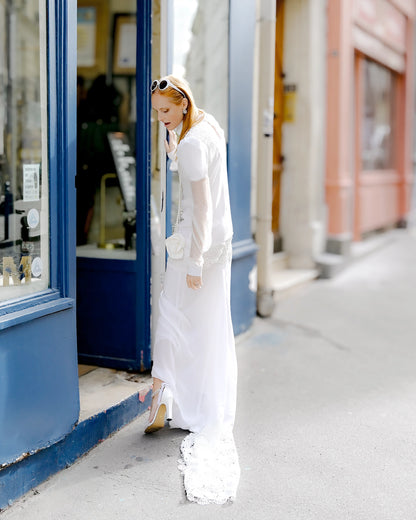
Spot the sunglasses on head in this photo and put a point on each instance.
(163, 84)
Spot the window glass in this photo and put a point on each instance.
(24, 214)
(200, 55)
(379, 113)
(106, 137)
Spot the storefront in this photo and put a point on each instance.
(369, 117)
(86, 199)
(38, 359)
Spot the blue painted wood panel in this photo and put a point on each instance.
(143, 181)
(106, 313)
(242, 32)
(39, 402)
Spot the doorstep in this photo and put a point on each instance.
(100, 389)
(109, 399)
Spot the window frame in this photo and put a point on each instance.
(61, 98)
(393, 167)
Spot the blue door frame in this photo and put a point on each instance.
(242, 31)
(143, 182)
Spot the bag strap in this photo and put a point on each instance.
(175, 228)
(178, 214)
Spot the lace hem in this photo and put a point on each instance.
(219, 254)
(211, 471)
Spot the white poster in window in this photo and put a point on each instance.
(2, 118)
(31, 178)
(126, 58)
(86, 36)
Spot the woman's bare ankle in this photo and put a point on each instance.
(157, 383)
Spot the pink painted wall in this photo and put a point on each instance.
(339, 162)
(383, 31)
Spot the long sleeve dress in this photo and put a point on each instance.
(194, 351)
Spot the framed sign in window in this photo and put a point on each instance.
(92, 27)
(124, 49)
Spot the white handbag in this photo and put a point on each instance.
(175, 246)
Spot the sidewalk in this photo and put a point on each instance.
(326, 419)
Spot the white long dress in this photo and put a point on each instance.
(194, 351)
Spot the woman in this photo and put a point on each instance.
(194, 364)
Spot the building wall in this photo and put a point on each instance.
(303, 213)
(38, 385)
(39, 402)
(361, 200)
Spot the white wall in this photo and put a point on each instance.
(303, 220)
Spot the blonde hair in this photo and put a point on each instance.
(193, 113)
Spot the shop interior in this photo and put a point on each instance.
(106, 76)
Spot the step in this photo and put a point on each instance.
(102, 388)
(285, 281)
(279, 261)
(329, 264)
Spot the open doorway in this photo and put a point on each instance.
(113, 194)
(109, 275)
(278, 156)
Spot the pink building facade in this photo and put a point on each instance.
(370, 112)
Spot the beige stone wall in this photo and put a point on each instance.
(303, 219)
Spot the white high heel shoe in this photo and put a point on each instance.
(163, 407)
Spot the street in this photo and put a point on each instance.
(326, 419)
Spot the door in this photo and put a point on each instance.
(113, 184)
(278, 121)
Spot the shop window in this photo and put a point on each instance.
(378, 135)
(24, 212)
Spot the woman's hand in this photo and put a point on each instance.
(193, 282)
(173, 142)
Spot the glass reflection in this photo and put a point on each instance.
(23, 149)
(379, 116)
(200, 55)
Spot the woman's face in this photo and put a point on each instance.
(168, 113)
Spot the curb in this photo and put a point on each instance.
(20, 477)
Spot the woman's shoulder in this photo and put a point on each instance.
(205, 130)
(192, 145)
